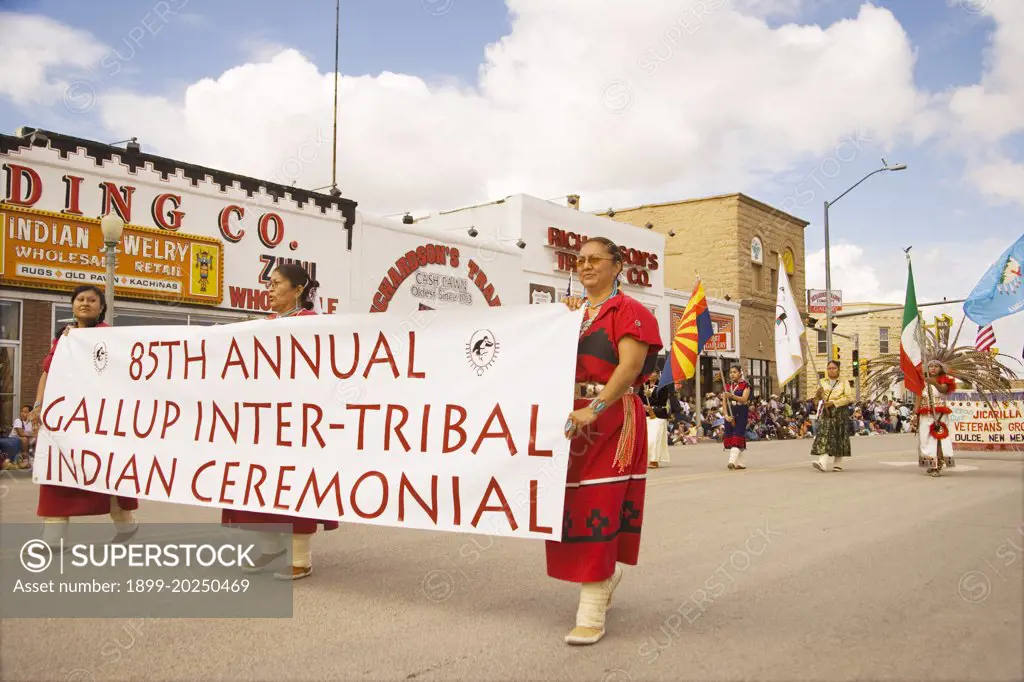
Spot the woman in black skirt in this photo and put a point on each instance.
(834, 398)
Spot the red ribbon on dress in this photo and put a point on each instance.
(626, 448)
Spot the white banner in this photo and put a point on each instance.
(453, 424)
(974, 425)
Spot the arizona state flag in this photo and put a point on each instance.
(692, 334)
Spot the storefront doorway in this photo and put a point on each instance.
(10, 362)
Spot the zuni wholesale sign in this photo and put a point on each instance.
(975, 425)
(449, 427)
(54, 251)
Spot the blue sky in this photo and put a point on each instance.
(443, 41)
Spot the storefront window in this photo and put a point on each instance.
(10, 353)
(10, 320)
(792, 389)
(8, 386)
(135, 317)
(759, 377)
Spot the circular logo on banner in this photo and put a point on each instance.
(482, 350)
(99, 357)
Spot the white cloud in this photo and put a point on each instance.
(1001, 179)
(980, 117)
(941, 271)
(42, 57)
(854, 274)
(620, 102)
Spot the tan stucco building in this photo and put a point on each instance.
(734, 242)
(877, 330)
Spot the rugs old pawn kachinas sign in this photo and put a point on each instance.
(46, 250)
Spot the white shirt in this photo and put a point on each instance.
(24, 426)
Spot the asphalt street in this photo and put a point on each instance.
(779, 572)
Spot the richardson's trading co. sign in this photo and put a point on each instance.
(433, 289)
(637, 265)
(42, 249)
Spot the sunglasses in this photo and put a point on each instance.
(594, 261)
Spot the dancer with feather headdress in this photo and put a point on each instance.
(944, 366)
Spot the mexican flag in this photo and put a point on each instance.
(910, 339)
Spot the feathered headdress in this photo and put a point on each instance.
(983, 369)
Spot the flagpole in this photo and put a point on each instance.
(696, 377)
(810, 356)
(926, 393)
(696, 371)
(955, 338)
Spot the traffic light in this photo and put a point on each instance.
(835, 352)
(856, 362)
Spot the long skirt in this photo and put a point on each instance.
(604, 507)
(930, 447)
(736, 434)
(833, 437)
(250, 520)
(58, 501)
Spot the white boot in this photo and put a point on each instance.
(55, 529)
(739, 459)
(734, 454)
(595, 598)
(822, 463)
(124, 522)
(302, 558)
(271, 548)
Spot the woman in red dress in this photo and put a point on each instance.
(605, 484)
(292, 293)
(58, 504)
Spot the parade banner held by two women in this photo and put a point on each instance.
(448, 422)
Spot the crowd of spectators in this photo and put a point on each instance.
(772, 418)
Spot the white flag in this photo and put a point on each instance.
(789, 328)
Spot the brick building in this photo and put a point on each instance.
(877, 330)
(876, 327)
(735, 243)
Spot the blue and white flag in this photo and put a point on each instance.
(1000, 291)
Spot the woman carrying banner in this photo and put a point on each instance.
(736, 397)
(292, 293)
(605, 484)
(58, 504)
(834, 398)
(931, 429)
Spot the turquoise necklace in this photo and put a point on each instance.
(615, 290)
(585, 327)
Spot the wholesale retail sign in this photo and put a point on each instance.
(323, 417)
(42, 249)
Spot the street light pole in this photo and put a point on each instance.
(112, 227)
(828, 262)
(856, 349)
(828, 292)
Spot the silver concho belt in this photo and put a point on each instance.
(582, 389)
